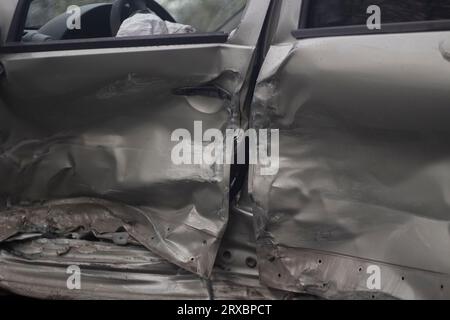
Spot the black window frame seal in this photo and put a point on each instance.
(14, 44)
(304, 14)
(387, 28)
(18, 21)
(303, 32)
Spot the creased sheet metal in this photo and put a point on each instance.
(364, 166)
(85, 138)
(79, 216)
(37, 266)
(108, 138)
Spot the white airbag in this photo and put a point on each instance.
(146, 24)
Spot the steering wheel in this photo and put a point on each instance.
(122, 9)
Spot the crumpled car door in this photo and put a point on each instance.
(359, 207)
(85, 139)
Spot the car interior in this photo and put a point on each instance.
(103, 19)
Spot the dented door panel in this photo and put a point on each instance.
(86, 143)
(364, 164)
(357, 210)
(36, 267)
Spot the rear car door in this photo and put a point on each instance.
(360, 206)
(87, 125)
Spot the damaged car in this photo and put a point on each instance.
(347, 99)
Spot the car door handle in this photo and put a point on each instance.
(212, 91)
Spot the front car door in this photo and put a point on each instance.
(87, 137)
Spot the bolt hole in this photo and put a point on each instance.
(373, 297)
(320, 261)
(192, 259)
(279, 275)
(442, 287)
(227, 255)
(205, 242)
(360, 269)
(251, 262)
(403, 278)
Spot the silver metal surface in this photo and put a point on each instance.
(364, 157)
(37, 267)
(112, 272)
(87, 177)
(88, 133)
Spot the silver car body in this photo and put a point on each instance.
(364, 162)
